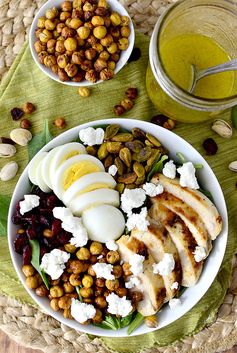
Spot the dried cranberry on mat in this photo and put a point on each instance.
(210, 146)
(17, 113)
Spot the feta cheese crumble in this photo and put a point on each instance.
(73, 225)
(152, 189)
(174, 303)
(112, 170)
(111, 245)
(133, 282)
(138, 220)
(165, 266)
(187, 176)
(103, 270)
(53, 263)
(169, 169)
(82, 312)
(118, 306)
(136, 263)
(199, 253)
(174, 285)
(91, 136)
(29, 202)
(132, 198)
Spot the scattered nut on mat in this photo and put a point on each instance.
(7, 150)
(21, 136)
(8, 171)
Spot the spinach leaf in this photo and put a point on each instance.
(39, 140)
(157, 166)
(4, 206)
(78, 292)
(207, 194)
(110, 323)
(35, 260)
(138, 319)
(183, 160)
(125, 321)
(234, 116)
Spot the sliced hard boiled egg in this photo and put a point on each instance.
(93, 198)
(73, 169)
(39, 178)
(88, 182)
(103, 223)
(33, 165)
(46, 166)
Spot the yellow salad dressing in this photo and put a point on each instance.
(178, 55)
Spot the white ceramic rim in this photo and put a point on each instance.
(192, 295)
(116, 6)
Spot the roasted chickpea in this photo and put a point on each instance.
(70, 248)
(96, 248)
(86, 292)
(126, 269)
(54, 282)
(123, 43)
(51, 13)
(114, 57)
(97, 21)
(83, 32)
(127, 103)
(90, 54)
(78, 266)
(75, 280)
(98, 291)
(45, 35)
(121, 292)
(92, 39)
(98, 318)
(136, 297)
(100, 64)
(54, 304)
(62, 75)
(64, 16)
(83, 254)
(125, 20)
(101, 11)
(112, 284)
(32, 282)
(50, 60)
(66, 6)
(87, 281)
(80, 42)
(102, 3)
(28, 270)
(56, 34)
(107, 22)
(115, 32)
(100, 282)
(64, 302)
(87, 7)
(78, 13)
(111, 65)
(75, 23)
(117, 271)
(104, 55)
(78, 57)
(91, 271)
(98, 47)
(68, 32)
(88, 16)
(115, 19)
(86, 65)
(41, 22)
(67, 314)
(60, 27)
(106, 293)
(56, 292)
(37, 32)
(68, 288)
(107, 40)
(76, 3)
(112, 257)
(112, 48)
(88, 300)
(65, 277)
(70, 44)
(100, 32)
(106, 74)
(59, 47)
(42, 291)
(91, 75)
(89, 25)
(93, 258)
(51, 46)
(79, 76)
(50, 24)
(100, 302)
(125, 31)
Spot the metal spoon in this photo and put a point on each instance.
(197, 75)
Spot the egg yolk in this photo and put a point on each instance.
(77, 170)
(69, 155)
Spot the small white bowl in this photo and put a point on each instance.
(207, 179)
(115, 6)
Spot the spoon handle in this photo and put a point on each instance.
(228, 66)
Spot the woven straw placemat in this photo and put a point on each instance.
(30, 326)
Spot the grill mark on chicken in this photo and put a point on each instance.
(138, 247)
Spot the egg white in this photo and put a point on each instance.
(33, 165)
(39, 178)
(46, 166)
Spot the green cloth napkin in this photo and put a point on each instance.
(25, 82)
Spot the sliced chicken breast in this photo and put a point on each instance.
(189, 216)
(151, 285)
(195, 199)
(159, 242)
(183, 240)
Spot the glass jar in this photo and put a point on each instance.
(216, 19)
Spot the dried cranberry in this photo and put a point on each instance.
(20, 242)
(56, 226)
(136, 54)
(44, 221)
(16, 113)
(31, 233)
(159, 119)
(210, 146)
(64, 237)
(16, 219)
(52, 201)
(7, 140)
(43, 250)
(27, 255)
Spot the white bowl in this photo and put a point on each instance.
(115, 6)
(207, 179)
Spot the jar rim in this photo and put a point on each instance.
(174, 91)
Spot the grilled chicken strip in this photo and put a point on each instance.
(152, 285)
(159, 242)
(183, 240)
(195, 199)
(188, 216)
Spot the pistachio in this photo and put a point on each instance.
(151, 321)
(140, 180)
(153, 140)
(108, 161)
(134, 146)
(7, 150)
(139, 169)
(120, 187)
(233, 166)
(114, 147)
(222, 128)
(92, 150)
(8, 171)
(143, 155)
(138, 133)
(128, 178)
(123, 137)
(21, 136)
(131, 186)
(120, 166)
(154, 156)
(102, 151)
(125, 156)
(111, 131)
